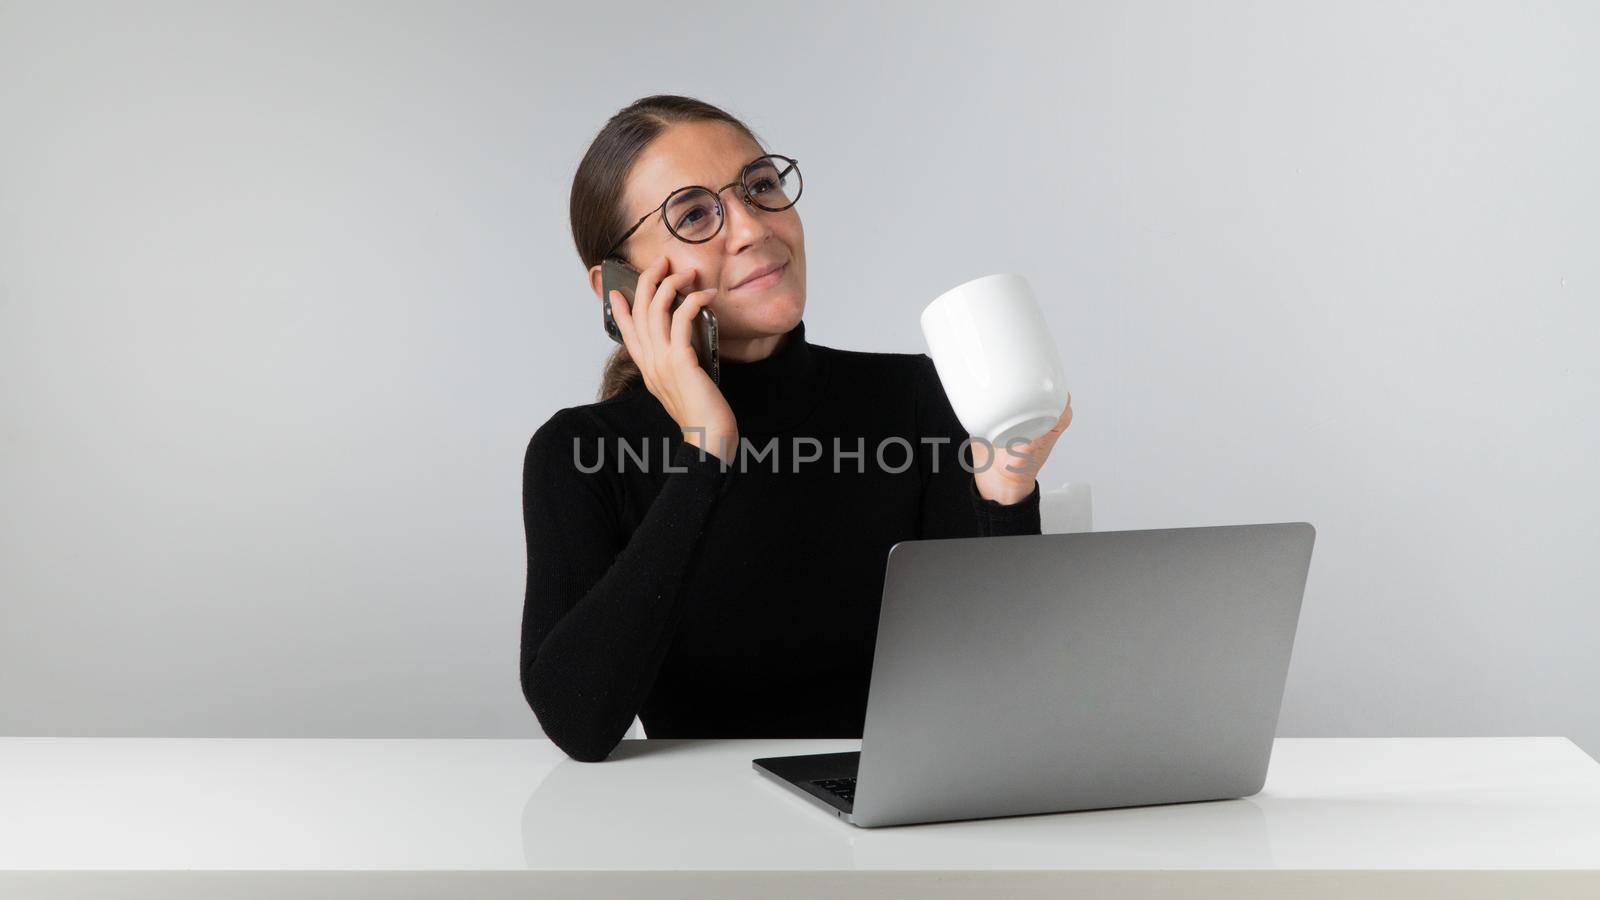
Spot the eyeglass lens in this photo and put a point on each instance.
(695, 214)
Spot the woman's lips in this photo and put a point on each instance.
(765, 281)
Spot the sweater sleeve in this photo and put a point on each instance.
(601, 607)
(951, 504)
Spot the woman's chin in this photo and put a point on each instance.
(772, 315)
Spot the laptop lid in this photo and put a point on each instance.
(1045, 673)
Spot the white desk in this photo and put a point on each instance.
(88, 817)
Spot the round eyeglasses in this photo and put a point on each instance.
(694, 214)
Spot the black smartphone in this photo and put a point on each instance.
(617, 275)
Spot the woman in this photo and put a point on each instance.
(722, 576)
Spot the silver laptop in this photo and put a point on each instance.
(1046, 673)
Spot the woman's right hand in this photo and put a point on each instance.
(658, 341)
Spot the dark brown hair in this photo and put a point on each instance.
(595, 206)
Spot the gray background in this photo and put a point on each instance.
(285, 289)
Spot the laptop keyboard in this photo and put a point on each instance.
(843, 788)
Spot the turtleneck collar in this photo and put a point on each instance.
(775, 393)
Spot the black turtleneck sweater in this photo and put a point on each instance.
(730, 599)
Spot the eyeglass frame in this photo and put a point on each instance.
(721, 213)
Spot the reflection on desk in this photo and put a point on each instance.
(671, 805)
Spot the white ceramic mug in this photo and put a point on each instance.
(996, 359)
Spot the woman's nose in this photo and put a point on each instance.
(745, 224)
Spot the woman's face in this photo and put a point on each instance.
(750, 240)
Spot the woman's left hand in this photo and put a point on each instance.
(1011, 477)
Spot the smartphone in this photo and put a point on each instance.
(617, 275)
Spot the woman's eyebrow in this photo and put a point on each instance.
(739, 176)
